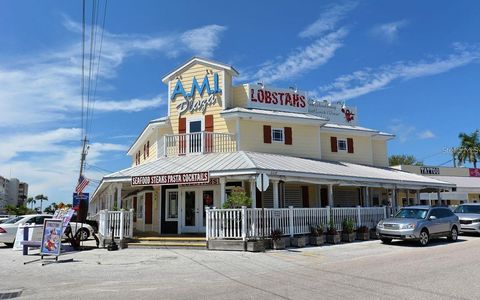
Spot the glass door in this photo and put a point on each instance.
(194, 203)
(195, 136)
(189, 212)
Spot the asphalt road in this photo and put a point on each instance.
(363, 270)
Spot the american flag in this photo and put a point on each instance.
(82, 183)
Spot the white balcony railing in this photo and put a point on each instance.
(199, 142)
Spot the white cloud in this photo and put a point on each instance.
(328, 19)
(426, 134)
(304, 59)
(203, 40)
(388, 31)
(402, 131)
(369, 80)
(45, 87)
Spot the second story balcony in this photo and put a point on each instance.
(198, 143)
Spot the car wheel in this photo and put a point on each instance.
(453, 237)
(424, 238)
(83, 234)
(386, 240)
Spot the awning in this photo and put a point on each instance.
(464, 184)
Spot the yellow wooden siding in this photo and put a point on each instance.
(474, 197)
(362, 147)
(305, 139)
(380, 155)
(240, 96)
(199, 71)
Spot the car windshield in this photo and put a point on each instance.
(411, 213)
(468, 209)
(13, 220)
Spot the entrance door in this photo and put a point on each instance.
(194, 203)
(195, 137)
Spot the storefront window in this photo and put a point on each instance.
(172, 205)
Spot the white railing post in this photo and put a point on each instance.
(384, 212)
(202, 141)
(207, 223)
(130, 219)
(290, 217)
(359, 216)
(122, 222)
(165, 146)
(328, 215)
(244, 223)
(106, 224)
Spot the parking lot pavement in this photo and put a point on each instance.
(363, 270)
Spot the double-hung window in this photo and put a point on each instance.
(278, 135)
(342, 145)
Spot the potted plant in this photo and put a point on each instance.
(348, 230)
(298, 241)
(333, 237)
(316, 235)
(278, 242)
(363, 233)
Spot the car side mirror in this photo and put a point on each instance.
(391, 215)
(432, 218)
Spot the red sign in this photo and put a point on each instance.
(277, 99)
(182, 178)
(474, 172)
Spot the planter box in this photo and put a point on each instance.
(268, 243)
(363, 236)
(298, 241)
(348, 237)
(255, 246)
(333, 239)
(278, 244)
(317, 240)
(373, 235)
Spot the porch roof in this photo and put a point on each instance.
(280, 166)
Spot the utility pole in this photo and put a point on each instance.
(83, 156)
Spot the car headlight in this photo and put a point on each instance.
(380, 224)
(408, 226)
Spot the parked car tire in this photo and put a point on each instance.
(424, 237)
(386, 240)
(453, 237)
(83, 233)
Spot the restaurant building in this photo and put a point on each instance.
(217, 136)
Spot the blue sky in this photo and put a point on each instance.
(411, 67)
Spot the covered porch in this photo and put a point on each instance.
(306, 187)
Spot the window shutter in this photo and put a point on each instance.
(267, 134)
(144, 151)
(333, 143)
(148, 148)
(350, 145)
(288, 135)
(209, 123)
(182, 125)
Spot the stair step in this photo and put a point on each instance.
(166, 244)
(172, 238)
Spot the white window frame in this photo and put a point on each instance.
(167, 204)
(283, 135)
(338, 145)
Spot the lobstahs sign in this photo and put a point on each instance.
(263, 97)
(189, 103)
(181, 178)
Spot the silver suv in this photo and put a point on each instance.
(420, 223)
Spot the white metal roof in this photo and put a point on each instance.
(465, 184)
(249, 163)
(277, 115)
(201, 60)
(341, 127)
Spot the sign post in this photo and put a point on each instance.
(262, 183)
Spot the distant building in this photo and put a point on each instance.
(467, 181)
(12, 192)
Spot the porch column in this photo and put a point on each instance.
(407, 192)
(275, 193)
(418, 197)
(253, 192)
(119, 196)
(330, 195)
(222, 191)
(439, 197)
(367, 197)
(394, 198)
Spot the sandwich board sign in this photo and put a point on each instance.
(51, 237)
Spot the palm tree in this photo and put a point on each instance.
(31, 201)
(396, 160)
(469, 148)
(41, 198)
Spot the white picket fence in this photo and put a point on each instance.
(121, 221)
(245, 223)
